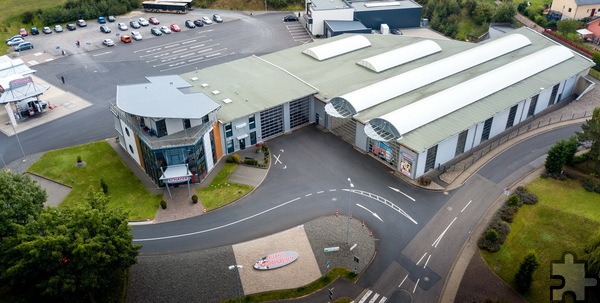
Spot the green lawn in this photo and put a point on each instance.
(102, 162)
(562, 221)
(221, 192)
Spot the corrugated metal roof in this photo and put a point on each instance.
(251, 84)
(162, 98)
(587, 2)
(436, 106)
(337, 47)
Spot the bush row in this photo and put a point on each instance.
(80, 9)
(235, 158)
(495, 235)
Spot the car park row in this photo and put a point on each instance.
(19, 43)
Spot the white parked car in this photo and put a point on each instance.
(206, 20)
(135, 35)
(108, 42)
(165, 29)
(58, 28)
(122, 26)
(143, 22)
(15, 41)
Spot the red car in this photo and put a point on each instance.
(175, 27)
(23, 32)
(153, 20)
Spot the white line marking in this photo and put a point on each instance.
(101, 54)
(174, 45)
(308, 195)
(189, 41)
(372, 213)
(382, 200)
(403, 280)
(466, 206)
(398, 191)
(179, 51)
(414, 289)
(187, 55)
(375, 296)
(421, 259)
(191, 63)
(366, 296)
(277, 159)
(383, 299)
(427, 261)
(155, 47)
(437, 241)
(332, 190)
(218, 227)
(320, 192)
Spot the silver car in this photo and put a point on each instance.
(122, 26)
(58, 28)
(135, 35)
(108, 42)
(143, 22)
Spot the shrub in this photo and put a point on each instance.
(514, 200)
(194, 199)
(237, 158)
(491, 235)
(526, 196)
(524, 276)
(104, 186)
(507, 212)
(591, 184)
(79, 159)
(230, 159)
(424, 181)
(251, 162)
(501, 228)
(163, 204)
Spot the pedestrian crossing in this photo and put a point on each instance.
(367, 298)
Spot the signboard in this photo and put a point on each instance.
(276, 260)
(177, 180)
(330, 249)
(19, 82)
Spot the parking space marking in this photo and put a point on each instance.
(101, 54)
(155, 51)
(150, 49)
(169, 60)
(208, 59)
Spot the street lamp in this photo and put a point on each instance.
(348, 226)
(238, 267)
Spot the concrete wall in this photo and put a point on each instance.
(361, 139)
(210, 162)
(173, 125)
(319, 16)
(130, 143)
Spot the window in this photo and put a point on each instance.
(253, 138)
(229, 146)
(430, 160)
(271, 121)
(511, 116)
(161, 128)
(299, 112)
(127, 132)
(131, 148)
(460, 145)
(569, 9)
(205, 119)
(553, 95)
(252, 121)
(532, 106)
(186, 123)
(487, 126)
(228, 130)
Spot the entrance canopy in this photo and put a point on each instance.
(16, 88)
(176, 174)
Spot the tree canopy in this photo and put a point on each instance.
(70, 254)
(591, 133)
(21, 198)
(568, 27)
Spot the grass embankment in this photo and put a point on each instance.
(221, 192)
(300, 291)
(562, 221)
(125, 190)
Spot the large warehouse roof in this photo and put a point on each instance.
(283, 76)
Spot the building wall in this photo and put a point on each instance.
(218, 140)
(577, 12)
(131, 144)
(594, 27)
(399, 18)
(319, 16)
(446, 150)
(174, 125)
(210, 162)
(361, 140)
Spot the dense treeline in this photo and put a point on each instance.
(81, 9)
(444, 16)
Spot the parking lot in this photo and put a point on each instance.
(166, 52)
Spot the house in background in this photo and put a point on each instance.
(576, 9)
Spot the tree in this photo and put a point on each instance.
(568, 27)
(72, 253)
(524, 276)
(21, 199)
(483, 12)
(592, 254)
(591, 133)
(505, 12)
(561, 153)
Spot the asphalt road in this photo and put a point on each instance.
(416, 245)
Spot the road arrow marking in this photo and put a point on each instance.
(372, 213)
(398, 191)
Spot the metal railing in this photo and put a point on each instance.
(469, 158)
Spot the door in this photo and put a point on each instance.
(242, 143)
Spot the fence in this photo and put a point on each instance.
(478, 152)
(569, 43)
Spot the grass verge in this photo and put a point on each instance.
(101, 162)
(562, 221)
(300, 291)
(221, 192)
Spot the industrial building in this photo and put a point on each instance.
(411, 103)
